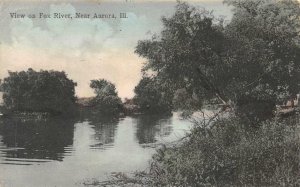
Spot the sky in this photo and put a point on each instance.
(84, 48)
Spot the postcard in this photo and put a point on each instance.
(149, 93)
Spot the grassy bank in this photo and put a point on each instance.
(233, 154)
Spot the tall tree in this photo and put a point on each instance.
(265, 52)
(253, 59)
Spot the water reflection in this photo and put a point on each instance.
(105, 129)
(46, 153)
(149, 127)
(32, 139)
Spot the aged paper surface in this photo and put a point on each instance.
(149, 93)
(87, 40)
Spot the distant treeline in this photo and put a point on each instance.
(54, 93)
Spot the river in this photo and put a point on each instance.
(57, 152)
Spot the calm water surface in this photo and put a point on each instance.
(68, 152)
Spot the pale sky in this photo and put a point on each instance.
(85, 49)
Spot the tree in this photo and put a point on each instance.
(103, 86)
(106, 100)
(265, 46)
(43, 91)
(253, 59)
(187, 55)
(150, 98)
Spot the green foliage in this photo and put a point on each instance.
(231, 154)
(103, 87)
(107, 104)
(253, 58)
(249, 64)
(187, 55)
(106, 101)
(264, 52)
(183, 101)
(151, 98)
(43, 91)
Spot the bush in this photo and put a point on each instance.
(231, 154)
(152, 98)
(43, 91)
(106, 101)
(107, 104)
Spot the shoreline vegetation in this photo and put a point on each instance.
(244, 68)
(44, 94)
(198, 59)
(241, 65)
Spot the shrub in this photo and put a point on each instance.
(106, 101)
(231, 154)
(152, 98)
(107, 104)
(43, 91)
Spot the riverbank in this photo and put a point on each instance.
(233, 154)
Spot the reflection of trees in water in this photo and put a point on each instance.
(36, 139)
(151, 126)
(105, 129)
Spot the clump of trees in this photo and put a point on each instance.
(39, 91)
(151, 98)
(248, 65)
(253, 59)
(106, 101)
